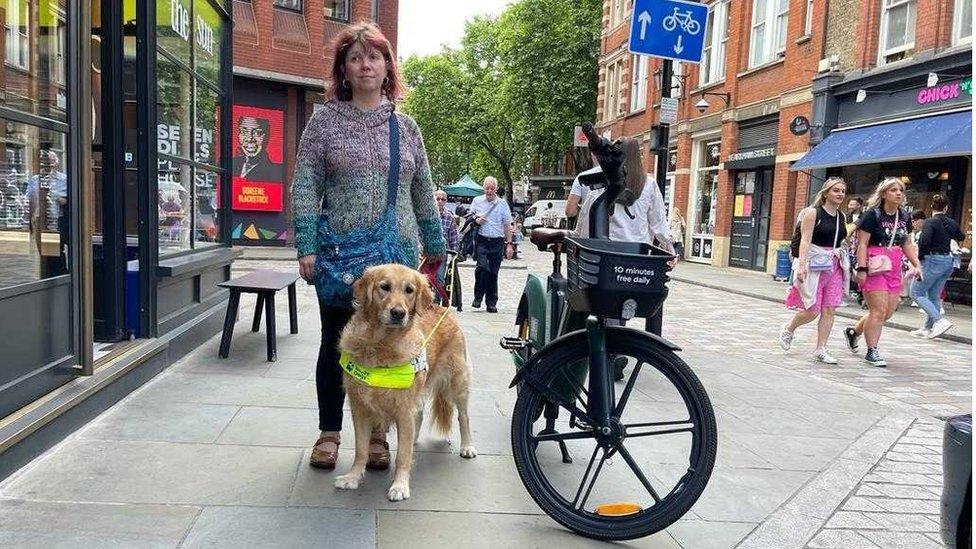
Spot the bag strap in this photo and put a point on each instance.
(836, 229)
(894, 229)
(393, 181)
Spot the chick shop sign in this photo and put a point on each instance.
(945, 92)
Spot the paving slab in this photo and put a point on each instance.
(237, 527)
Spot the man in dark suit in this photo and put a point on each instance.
(252, 135)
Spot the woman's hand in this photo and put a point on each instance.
(801, 271)
(306, 267)
(914, 272)
(861, 276)
(509, 250)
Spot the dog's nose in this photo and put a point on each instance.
(397, 314)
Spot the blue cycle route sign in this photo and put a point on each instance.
(672, 29)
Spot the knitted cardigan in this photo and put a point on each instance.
(344, 155)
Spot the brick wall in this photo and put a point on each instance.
(933, 29)
(314, 61)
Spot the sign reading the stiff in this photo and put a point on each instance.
(670, 29)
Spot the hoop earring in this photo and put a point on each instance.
(386, 80)
(345, 83)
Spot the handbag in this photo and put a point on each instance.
(825, 261)
(344, 257)
(882, 263)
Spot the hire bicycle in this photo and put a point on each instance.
(607, 462)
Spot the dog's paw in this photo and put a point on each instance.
(398, 492)
(468, 452)
(349, 481)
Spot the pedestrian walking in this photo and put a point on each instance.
(361, 195)
(678, 226)
(577, 193)
(492, 242)
(935, 253)
(821, 267)
(638, 216)
(883, 241)
(449, 228)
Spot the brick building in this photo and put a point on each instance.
(899, 73)
(281, 59)
(729, 162)
(765, 66)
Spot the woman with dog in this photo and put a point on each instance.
(882, 243)
(353, 152)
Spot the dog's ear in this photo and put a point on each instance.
(361, 289)
(425, 296)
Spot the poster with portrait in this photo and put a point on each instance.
(258, 175)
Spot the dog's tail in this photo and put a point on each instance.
(443, 412)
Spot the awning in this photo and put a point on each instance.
(919, 138)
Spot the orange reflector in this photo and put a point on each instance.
(618, 509)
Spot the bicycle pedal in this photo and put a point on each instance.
(514, 343)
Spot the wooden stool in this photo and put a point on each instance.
(265, 284)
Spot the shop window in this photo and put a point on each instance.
(706, 188)
(638, 88)
(897, 30)
(34, 198)
(189, 100)
(769, 30)
(206, 214)
(712, 68)
(290, 5)
(337, 9)
(962, 22)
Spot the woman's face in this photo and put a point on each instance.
(836, 194)
(917, 224)
(894, 195)
(853, 205)
(365, 69)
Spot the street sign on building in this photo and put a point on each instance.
(671, 29)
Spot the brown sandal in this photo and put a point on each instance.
(322, 459)
(379, 461)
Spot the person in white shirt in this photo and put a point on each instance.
(578, 192)
(643, 220)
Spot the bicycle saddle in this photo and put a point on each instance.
(545, 237)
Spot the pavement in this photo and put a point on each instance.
(763, 286)
(213, 453)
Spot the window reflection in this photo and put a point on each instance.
(174, 206)
(32, 76)
(206, 215)
(34, 199)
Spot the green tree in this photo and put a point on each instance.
(511, 93)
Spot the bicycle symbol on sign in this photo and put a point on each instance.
(683, 20)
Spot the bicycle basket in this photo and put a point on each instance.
(604, 275)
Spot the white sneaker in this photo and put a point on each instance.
(785, 338)
(940, 327)
(921, 332)
(824, 356)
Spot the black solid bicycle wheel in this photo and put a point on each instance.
(637, 515)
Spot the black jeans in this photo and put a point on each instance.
(489, 252)
(328, 374)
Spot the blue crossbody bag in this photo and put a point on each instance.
(343, 257)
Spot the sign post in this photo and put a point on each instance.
(671, 30)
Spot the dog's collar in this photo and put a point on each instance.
(392, 376)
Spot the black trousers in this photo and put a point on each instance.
(328, 373)
(489, 253)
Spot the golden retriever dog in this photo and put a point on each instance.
(394, 314)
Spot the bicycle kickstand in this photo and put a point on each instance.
(551, 413)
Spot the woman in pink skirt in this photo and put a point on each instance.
(882, 237)
(820, 267)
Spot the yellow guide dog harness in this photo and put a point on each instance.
(396, 376)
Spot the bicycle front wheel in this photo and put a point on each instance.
(644, 474)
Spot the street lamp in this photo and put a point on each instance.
(702, 105)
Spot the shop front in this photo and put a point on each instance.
(751, 171)
(913, 123)
(114, 202)
(706, 154)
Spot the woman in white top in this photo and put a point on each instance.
(644, 219)
(638, 216)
